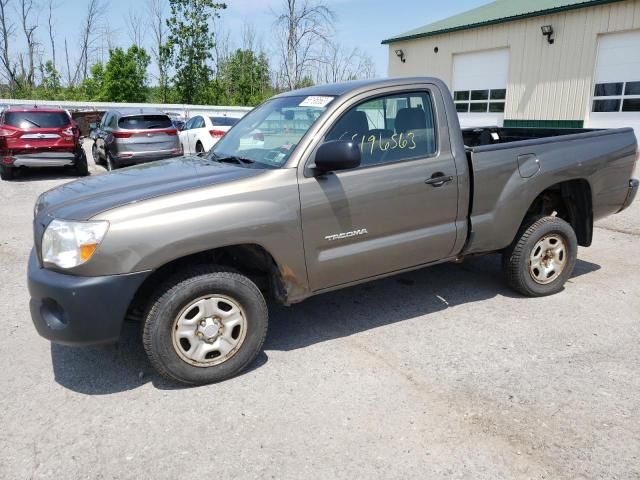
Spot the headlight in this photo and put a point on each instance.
(69, 244)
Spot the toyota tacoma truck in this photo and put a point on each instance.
(352, 182)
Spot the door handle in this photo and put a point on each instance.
(438, 179)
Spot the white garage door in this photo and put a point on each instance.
(616, 92)
(480, 86)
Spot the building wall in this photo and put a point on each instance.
(546, 82)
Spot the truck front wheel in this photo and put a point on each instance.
(542, 257)
(205, 326)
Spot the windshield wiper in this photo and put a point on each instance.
(31, 121)
(232, 159)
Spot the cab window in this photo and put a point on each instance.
(389, 129)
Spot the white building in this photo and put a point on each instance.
(554, 63)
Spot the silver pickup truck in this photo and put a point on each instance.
(314, 190)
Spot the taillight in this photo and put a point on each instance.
(122, 134)
(217, 133)
(173, 132)
(68, 132)
(258, 137)
(6, 132)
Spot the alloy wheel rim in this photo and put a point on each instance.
(548, 259)
(209, 330)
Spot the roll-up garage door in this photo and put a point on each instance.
(616, 91)
(480, 86)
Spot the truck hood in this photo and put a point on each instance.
(85, 198)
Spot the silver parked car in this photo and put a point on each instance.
(128, 137)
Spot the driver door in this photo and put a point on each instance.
(383, 216)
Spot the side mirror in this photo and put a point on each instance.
(337, 155)
(93, 126)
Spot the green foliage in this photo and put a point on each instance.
(92, 88)
(125, 75)
(243, 79)
(189, 47)
(50, 79)
(306, 81)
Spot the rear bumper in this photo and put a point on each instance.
(74, 310)
(44, 159)
(634, 183)
(131, 158)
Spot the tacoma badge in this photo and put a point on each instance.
(340, 236)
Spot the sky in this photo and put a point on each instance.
(360, 23)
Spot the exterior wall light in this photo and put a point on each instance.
(547, 31)
(400, 54)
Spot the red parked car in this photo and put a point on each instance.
(39, 137)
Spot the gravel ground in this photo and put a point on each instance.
(440, 373)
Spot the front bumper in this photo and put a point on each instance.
(631, 193)
(75, 310)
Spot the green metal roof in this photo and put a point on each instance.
(499, 11)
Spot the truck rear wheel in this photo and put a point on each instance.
(542, 257)
(205, 326)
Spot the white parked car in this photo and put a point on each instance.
(201, 132)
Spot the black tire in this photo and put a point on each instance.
(516, 259)
(94, 154)
(199, 149)
(6, 172)
(175, 296)
(81, 168)
(110, 163)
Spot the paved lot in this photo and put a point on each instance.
(441, 373)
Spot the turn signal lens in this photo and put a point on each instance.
(86, 251)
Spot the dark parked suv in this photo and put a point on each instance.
(127, 137)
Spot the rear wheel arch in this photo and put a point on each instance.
(571, 201)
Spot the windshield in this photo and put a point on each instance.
(267, 135)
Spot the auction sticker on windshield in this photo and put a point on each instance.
(315, 101)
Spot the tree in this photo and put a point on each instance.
(189, 47)
(158, 26)
(338, 64)
(93, 86)
(29, 29)
(136, 27)
(243, 78)
(51, 36)
(50, 79)
(303, 28)
(87, 43)
(125, 75)
(9, 68)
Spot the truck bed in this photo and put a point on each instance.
(477, 137)
(511, 166)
